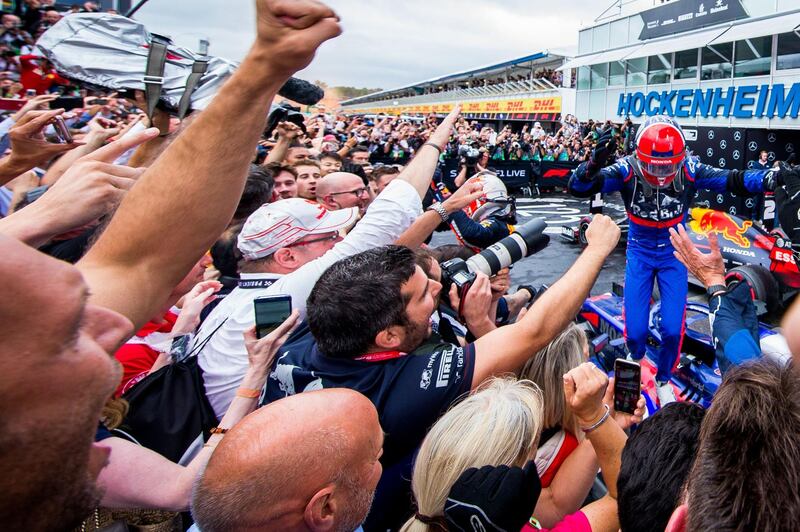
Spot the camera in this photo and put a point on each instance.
(470, 155)
(284, 113)
(526, 240)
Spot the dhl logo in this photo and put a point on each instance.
(706, 221)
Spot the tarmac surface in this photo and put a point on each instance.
(549, 265)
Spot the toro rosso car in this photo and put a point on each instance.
(696, 376)
(764, 259)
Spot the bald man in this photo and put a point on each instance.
(307, 462)
(341, 190)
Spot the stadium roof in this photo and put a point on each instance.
(488, 69)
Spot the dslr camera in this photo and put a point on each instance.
(469, 156)
(526, 240)
(284, 113)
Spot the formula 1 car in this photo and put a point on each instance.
(764, 259)
(696, 376)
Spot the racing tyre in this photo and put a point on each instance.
(764, 286)
(582, 227)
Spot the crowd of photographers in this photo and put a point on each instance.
(139, 387)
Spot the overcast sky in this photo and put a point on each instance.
(390, 43)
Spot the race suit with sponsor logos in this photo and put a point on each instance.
(481, 234)
(651, 213)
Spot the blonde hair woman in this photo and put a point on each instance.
(566, 461)
(498, 424)
(568, 350)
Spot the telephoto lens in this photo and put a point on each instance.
(526, 240)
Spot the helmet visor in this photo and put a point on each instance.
(662, 167)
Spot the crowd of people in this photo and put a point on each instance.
(381, 141)
(139, 385)
(23, 69)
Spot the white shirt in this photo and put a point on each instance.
(224, 358)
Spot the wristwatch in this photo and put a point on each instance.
(716, 289)
(440, 210)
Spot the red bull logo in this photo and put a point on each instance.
(706, 221)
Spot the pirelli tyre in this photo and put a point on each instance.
(582, 227)
(763, 285)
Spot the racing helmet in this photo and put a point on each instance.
(660, 150)
(495, 201)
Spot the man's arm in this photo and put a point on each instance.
(137, 262)
(746, 182)
(423, 226)
(734, 323)
(506, 349)
(420, 169)
(287, 132)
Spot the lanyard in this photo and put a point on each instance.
(381, 356)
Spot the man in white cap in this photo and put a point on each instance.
(287, 245)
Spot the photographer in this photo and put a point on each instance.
(339, 348)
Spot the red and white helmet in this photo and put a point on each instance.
(660, 149)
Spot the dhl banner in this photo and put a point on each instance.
(519, 105)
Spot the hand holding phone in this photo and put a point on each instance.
(270, 312)
(627, 385)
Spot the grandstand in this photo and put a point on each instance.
(526, 88)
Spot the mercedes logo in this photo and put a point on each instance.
(710, 152)
(752, 146)
(723, 144)
(720, 199)
(721, 162)
(750, 164)
(772, 137)
(736, 155)
(771, 156)
(750, 203)
(710, 134)
(790, 148)
(732, 210)
(737, 135)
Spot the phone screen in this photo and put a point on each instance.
(627, 385)
(271, 311)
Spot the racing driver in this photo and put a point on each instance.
(657, 183)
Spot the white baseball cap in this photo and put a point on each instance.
(279, 224)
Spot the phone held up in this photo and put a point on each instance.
(62, 131)
(271, 311)
(627, 385)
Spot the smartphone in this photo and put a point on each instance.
(30, 93)
(62, 131)
(67, 103)
(271, 311)
(627, 385)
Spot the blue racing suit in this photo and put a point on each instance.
(651, 213)
(481, 234)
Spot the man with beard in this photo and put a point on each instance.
(318, 477)
(369, 329)
(59, 323)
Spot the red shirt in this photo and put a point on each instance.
(33, 77)
(137, 356)
(558, 448)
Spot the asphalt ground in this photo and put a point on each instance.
(549, 265)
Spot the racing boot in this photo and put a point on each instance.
(666, 394)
